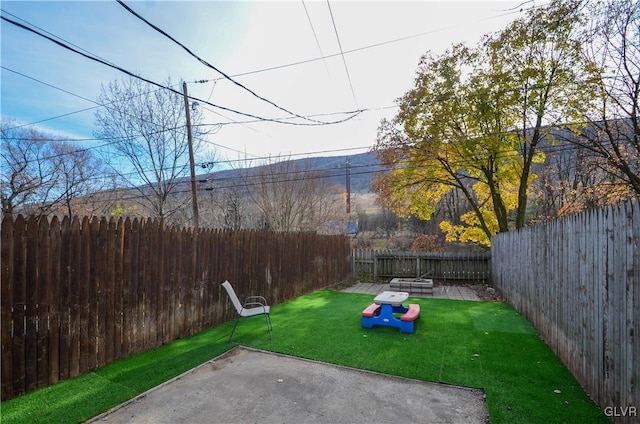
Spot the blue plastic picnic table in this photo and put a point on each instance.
(385, 304)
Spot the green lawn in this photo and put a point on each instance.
(474, 344)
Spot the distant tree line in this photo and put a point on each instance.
(145, 174)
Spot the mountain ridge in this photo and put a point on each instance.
(361, 168)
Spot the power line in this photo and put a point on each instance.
(211, 124)
(315, 36)
(51, 34)
(51, 86)
(245, 181)
(322, 57)
(248, 180)
(148, 81)
(358, 49)
(207, 64)
(349, 149)
(60, 139)
(518, 7)
(319, 173)
(115, 139)
(344, 61)
(498, 154)
(97, 105)
(292, 117)
(281, 119)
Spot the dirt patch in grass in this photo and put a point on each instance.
(487, 293)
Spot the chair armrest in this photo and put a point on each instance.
(252, 304)
(254, 300)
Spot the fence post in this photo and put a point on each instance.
(375, 265)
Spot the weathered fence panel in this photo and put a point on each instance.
(436, 265)
(6, 310)
(577, 279)
(79, 294)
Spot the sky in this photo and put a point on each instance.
(321, 60)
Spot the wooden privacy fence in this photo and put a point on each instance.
(79, 294)
(577, 280)
(436, 265)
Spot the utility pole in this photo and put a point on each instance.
(348, 185)
(194, 191)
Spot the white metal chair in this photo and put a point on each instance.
(252, 306)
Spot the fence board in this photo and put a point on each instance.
(83, 284)
(53, 295)
(90, 289)
(107, 335)
(159, 283)
(186, 284)
(19, 307)
(172, 290)
(101, 291)
(42, 304)
(118, 290)
(592, 274)
(31, 306)
(7, 305)
(180, 285)
(147, 274)
(153, 284)
(65, 298)
(134, 304)
(127, 289)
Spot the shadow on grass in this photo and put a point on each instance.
(474, 344)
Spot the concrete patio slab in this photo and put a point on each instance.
(247, 386)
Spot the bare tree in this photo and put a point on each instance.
(146, 126)
(231, 205)
(80, 174)
(42, 174)
(569, 181)
(612, 130)
(24, 175)
(294, 197)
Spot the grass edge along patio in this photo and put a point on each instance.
(485, 345)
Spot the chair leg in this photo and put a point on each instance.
(268, 318)
(234, 327)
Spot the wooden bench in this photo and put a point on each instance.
(371, 310)
(412, 314)
(415, 286)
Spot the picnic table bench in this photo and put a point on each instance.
(382, 311)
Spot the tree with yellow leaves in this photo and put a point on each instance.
(474, 120)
